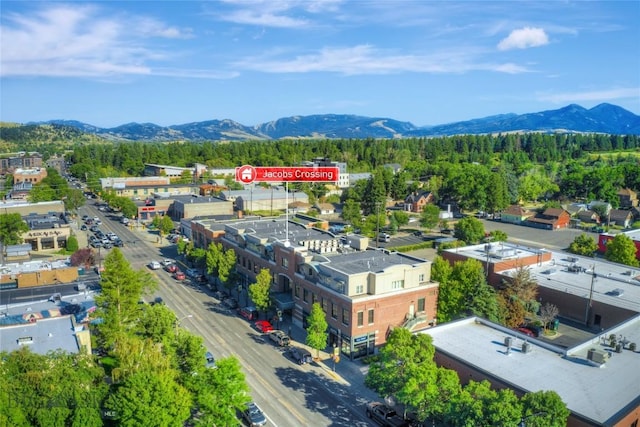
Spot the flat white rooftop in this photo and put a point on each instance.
(41, 337)
(589, 390)
(613, 284)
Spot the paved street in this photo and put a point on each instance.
(289, 394)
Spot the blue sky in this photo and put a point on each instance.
(427, 62)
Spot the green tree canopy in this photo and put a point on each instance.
(122, 288)
(469, 229)
(317, 328)
(583, 245)
(259, 292)
(622, 250)
(544, 409)
(12, 227)
(430, 216)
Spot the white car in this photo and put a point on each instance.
(166, 262)
(155, 265)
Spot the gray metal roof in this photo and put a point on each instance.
(45, 335)
(369, 260)
(595, 392)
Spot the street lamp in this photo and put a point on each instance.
(188, 316)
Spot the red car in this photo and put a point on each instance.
(179, 275)
(263, 326)
(527, 332)
(171, 268)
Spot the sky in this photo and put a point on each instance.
(108, 63)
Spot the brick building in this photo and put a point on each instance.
(10, 162)
(31, 175)
(364, 292)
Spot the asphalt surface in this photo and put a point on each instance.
(289, 394)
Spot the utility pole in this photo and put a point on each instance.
(588, 309)
(377, 223)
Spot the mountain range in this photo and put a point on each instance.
(603, 118)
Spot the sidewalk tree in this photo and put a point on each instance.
(83, 257)
(122, 288)
(12, 227)
(259, 292)
(317, 329)
(479, 405)
(72, 244)
(220, 393)
(583, 245)
(150, 398)
(622, 250)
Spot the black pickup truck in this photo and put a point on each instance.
(385, 416)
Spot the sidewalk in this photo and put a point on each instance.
(348, 373)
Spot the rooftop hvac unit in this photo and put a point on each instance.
(508, 341)
(597, 355)
(526, 347)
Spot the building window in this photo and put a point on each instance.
(334, 311)
(305, 295)
(285, 263)
(345, 316)
(359, 289)
(324, 305)
(421, 278)
(296, 291)
(249, 264)
(397, 284)
(370, 320)
(421, 302)
(314, 298)
(360, 318)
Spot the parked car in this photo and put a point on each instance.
(166, 262)
(118, 243)
(83, 227)
(179, 275)
(263, 326)
(231, 303)
(221, 295)
(171, 268)
(192, 272)
(528, 332)
(280, 338)
(300, 355)
(71, 309)
(210, 360)
(385, 415)
(154, 265)
(254, 415)
(249, 313)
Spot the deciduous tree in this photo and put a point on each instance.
(259, 292)
(469, 229)
(583, 245)
(12, 227)
(317, 329)
(622, 250)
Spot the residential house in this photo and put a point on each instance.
(620, 217)
(596, 203)
(550, 219)
(515, 214)
(325, 208)
(588, 216)
(415, 202)
(628, 198)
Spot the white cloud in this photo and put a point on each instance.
(524, 38)
(365, 59)
(591, 96)
(74, 40)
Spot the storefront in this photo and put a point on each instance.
(353, 348)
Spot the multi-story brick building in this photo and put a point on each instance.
(10, 162)
(364, 292)
(31, 175)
